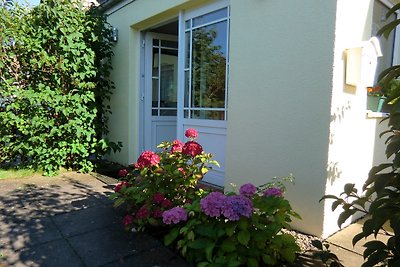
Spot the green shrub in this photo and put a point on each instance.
(54, 69)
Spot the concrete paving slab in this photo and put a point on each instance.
(160, 256)
(16, 235)
(111, 244)
(347, 257)
(344, 237)
(84, 220)
(55, 253)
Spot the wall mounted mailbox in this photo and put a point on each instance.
(361, 63)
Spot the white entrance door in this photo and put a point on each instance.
(203, 87)
(161, 89)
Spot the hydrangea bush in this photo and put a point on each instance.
(208, 228)
(235, 229)
(162, 180)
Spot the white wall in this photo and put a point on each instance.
(280, 82)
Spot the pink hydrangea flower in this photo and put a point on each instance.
(191, 133)
(142, 213)
(248, 190)
(192, 148)
(120, 185)
(122, 172)
(147, 159)
(127, 220)
(236, 206)
(213, 204)
(176, 146)
(273, 192)
(174, 215)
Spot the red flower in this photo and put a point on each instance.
(127, 220)
(119, 186)
(176, 146)
(147, 159)
(191, 133)
(158, 198)
(192, 148)
(166, 203)
(142, 213)
(122, 172)
(157, 213)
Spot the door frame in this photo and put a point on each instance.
(146, 84)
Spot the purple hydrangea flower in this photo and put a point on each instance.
(248, 190)
(212, 204)
(273, 192)
(174, 215)
(236, 206)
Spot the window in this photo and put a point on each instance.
(206, 66)
(375, 100)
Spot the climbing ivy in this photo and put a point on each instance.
(55, 61)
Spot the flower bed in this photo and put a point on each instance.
(206, 227)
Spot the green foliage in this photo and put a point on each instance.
(54, 69)
(250, 241)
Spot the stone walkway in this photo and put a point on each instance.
(69, 221)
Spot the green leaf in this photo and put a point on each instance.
(345, 215)
(251, 262)
(171, 236)
(228, 246)
(243, 237)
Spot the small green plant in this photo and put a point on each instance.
(324, 254)
(162, 180)
(235, 229)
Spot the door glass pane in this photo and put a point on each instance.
(171, 44)
(208, 114)
(187, 50)
(210, 17)
(209, 46)
(155, 62)
(168, 78)
(167, 112)
(154, 93)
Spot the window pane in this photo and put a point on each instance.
(168, 79)
(208, 114)
(209, 66)
(172, 44)
(156, 42)
(154, 112)
(210, 17)
(187, 50)
(387, 44)
(167, 112)
(155, 62)
(154, 99)
(186, 114)
(186, 89)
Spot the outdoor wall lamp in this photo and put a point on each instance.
(114, 34)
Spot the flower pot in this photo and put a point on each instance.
(375, 103)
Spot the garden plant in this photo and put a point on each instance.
(208, 227)
(55, 61)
